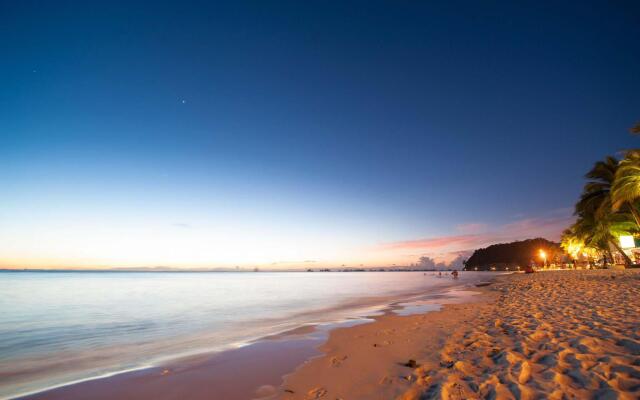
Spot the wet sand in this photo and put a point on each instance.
(549, 335)
(237, 374)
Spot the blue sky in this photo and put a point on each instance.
(256, 133)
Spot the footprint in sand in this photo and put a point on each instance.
(316, 393)
(265, 390)
(337, 361)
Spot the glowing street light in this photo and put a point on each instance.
(543, 255)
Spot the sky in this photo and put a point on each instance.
(302, 134)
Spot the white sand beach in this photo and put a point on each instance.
(556, 335)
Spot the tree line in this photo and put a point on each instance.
(607, 208)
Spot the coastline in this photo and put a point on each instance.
(292, 347)
(556, 335)
(552, 335)
(371, 361)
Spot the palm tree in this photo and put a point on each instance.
(603, 232)
(584, 231)
(571, 242)
(598, 224)
(625, 190)
(620, 224)
(596, 195)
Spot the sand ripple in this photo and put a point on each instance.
(556, 335)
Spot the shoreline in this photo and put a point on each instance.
(363, 310)
(371, 361)
(552, 335)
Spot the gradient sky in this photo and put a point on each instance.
(302, 133)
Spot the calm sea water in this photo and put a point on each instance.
(58, 327)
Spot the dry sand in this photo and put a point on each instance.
(549, 335)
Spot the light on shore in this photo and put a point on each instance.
(543, 255)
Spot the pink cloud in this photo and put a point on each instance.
(435, 243)
(447, 247)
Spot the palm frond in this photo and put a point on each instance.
(626, 186)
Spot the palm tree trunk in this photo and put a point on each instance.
(627, 260)
(610, 257)
(636, 215)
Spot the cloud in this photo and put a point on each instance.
(430, 263)
(435, 243)
(456, 262)
(459, 258)
(450, 248)
(182, 225)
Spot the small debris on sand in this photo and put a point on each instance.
(411, 364)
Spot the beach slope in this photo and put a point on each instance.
(556, 335)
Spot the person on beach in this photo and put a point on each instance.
(455, 274)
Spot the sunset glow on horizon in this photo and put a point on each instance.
(202, 246)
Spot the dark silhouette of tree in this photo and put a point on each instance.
(518, 253)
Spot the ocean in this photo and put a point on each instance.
(62, 327)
